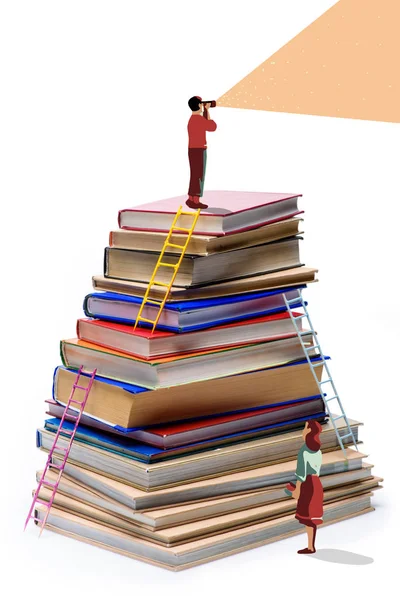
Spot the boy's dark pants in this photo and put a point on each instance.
(197, 162)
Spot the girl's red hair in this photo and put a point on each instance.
(312, 438)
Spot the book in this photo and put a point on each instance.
(178, 434)
(199, 551)
(146, 344)
(151, 471)
(270, 477)
(227, 212)
(181, 533)
(129, 406)
(279, 279)
(234, 421)
(203, 245)
(189, 315)
(194, 271)
(355, 481)
(179, 369)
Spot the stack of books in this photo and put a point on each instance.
(190, 434)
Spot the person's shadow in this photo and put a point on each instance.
(215, 210)
(342, 557)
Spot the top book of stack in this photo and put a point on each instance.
(227, 212)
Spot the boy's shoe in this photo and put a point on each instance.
(195, 205)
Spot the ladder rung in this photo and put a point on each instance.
(182, 229)
(190, 214)
(60, 448)
(314, 365)
(146, 320)
(307, 332)
(175, 245)
(299, 317)
(71, 416)
(36, 519)
(293, 300)
(79, 387)
(160, 283)
(337, 418)
(44, 502)
(163, 264)
(71, 400)
(333, 398)
(343, 437)
(153, 302)
(60, 467)
(312, 347)
(326, 381)
(49, 483)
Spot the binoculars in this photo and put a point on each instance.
(213, 103)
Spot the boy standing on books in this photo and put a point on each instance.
(198, 124)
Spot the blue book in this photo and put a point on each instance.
(189, 315)
(146, 453)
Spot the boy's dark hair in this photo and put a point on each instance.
(194, 103)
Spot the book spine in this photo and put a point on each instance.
(63, 355)
(111, 238)
(38, 439)
(86, 306)
(105, 264)
(77, 329)
(55, 380)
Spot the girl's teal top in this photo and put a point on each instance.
(308, 463)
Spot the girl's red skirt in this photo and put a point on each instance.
(310, 507)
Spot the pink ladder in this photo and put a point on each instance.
(56, 448)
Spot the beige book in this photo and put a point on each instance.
(194, 271)
(269, 281)
(184, 369)
(203, 245)
(195, 552)
(334, 464)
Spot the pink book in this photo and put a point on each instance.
(227, 212)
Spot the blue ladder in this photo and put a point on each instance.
(326, 387)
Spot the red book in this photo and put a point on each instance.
(180, 434)
(227, 212)
(141, 342)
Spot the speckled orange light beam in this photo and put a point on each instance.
(345, 64)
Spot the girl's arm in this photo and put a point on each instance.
(300, 473)
(296, 491)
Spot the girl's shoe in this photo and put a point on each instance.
(306, 551)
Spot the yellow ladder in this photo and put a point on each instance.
(160, 263)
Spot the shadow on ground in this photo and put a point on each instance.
(342, 557)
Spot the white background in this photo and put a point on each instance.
(93, 114)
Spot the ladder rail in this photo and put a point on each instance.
(320, 361)
(55, 448)
(160, 263)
